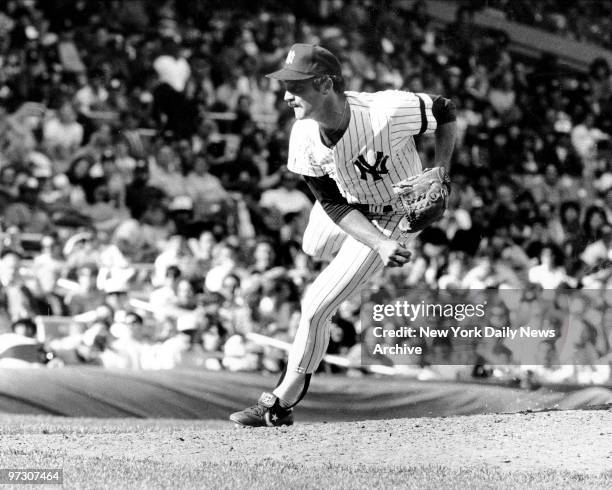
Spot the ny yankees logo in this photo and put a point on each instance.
(376, 170)
(290, 57)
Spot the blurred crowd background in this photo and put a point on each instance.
(148, 218)
(583, 20)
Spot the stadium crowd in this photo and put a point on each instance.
(149, 221)
(582, 20)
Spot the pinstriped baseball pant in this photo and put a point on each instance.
(351, 268)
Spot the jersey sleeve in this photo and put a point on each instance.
(301, 159)
(409, 111)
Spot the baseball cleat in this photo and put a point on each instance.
(267, 413)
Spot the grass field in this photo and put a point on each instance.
(571, 449)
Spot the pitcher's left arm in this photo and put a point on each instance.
(445, 113)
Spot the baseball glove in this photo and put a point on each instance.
(424, 198)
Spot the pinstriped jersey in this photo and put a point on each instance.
(377, 149)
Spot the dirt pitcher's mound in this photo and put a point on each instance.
(575, 441)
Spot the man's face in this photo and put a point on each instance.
(303, 98)
(551, 174)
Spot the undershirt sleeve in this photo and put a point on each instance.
(327, 193)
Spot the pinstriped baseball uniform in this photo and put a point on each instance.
(376, 151)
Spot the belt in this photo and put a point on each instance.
(379, 208)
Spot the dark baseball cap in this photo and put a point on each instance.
(306, 61)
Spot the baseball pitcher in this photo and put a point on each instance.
(357, 154)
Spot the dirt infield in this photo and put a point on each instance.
(569, 442)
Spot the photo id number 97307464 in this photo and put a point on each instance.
(31, 476)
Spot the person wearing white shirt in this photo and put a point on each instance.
(585, 137)
(548, 274)
(62, 132)
(173, 70)
(287, 198)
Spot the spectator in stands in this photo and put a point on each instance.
(177, 342)
(213, 337)
(477, 84)
(278, 307)
(548, 187)
(102, 211)
(126, 344)
(170, 106)
(24, 327)
(455, 269)
(483, 275)
(86, 296)
(203, 247)
(502, 96)
(147, 235)
(62, 133)
(17, 300)
(185, 294)
(8, 176)
(28, 213)
(20, 349)
(240, 354)
(93, 95)
(600, 251)
(80, 175)
(287, 198)
(176, 252)
(85, 348)
(342, 338)
(166, 294)
(48, 264)
(116, 298)
(48, 267)
(594, 219)
(600, 80)
(140, 193)
(225, 262)
(205, 190)
(191, 353)
(234, 307)
(585, 137)
(550, 273)
(115, 263)
(165, 171)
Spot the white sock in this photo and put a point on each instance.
(290, 389)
